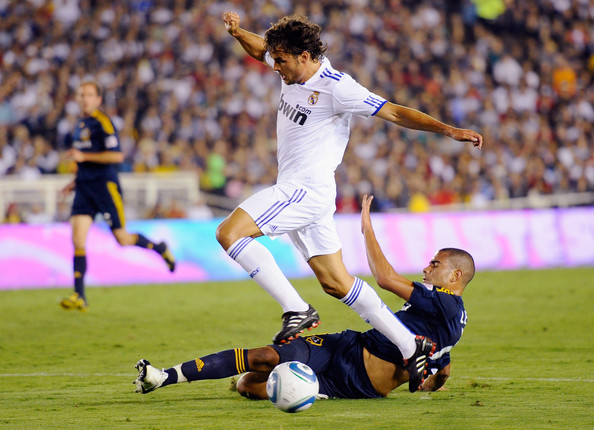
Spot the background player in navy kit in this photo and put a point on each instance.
(96, 150)
(351, 364)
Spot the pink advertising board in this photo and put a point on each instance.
(40, 256)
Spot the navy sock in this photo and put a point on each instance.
(171, 377)
(214, 366)
(143, 242)
(80, 267)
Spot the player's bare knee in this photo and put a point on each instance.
(78, 243)
(78, 240)
(241, 387)
(220, 234)
(223, 235)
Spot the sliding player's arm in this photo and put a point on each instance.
(383, 272)
(437, 380)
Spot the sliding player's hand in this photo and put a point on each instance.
(365, 216)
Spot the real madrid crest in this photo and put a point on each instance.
(313, 99)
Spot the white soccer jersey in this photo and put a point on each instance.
(313, 125)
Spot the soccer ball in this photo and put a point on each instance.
(292, 386)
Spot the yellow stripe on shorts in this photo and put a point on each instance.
(117, 201)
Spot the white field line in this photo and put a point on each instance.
(131, 374)
(529, 379)
(43, 374)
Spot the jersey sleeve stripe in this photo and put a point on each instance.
(379, 106)
(374, 101)
(328, 74)
(104, 121)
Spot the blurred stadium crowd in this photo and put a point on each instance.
(184, 96)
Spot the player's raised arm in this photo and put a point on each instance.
(383, 272)
(252, 43)
(414, 119)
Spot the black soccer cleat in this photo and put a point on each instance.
(417, 364)
(294, 323)
(167, 256)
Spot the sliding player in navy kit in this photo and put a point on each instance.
(351, 364)
(96, 150)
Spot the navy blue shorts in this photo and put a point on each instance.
(337, 359)
(91, 198)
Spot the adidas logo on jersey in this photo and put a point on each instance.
(297, 114)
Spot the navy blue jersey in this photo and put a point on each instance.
(98, 189)
(435, 313)
(96, 134)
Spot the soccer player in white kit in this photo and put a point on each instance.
(316, 105)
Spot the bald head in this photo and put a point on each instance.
(460, 260)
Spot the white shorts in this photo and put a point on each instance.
(305, 216)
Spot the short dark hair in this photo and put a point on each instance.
(294, 35)
(462, 260)
(95, 84)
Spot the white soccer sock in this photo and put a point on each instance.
(259, 263)
(363, 299)
(180, 374)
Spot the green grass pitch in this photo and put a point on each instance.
(524, 361)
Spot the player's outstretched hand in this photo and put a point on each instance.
(231, 20)
(365, 216)
(465, 135)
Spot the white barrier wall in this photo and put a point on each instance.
(40, 256)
